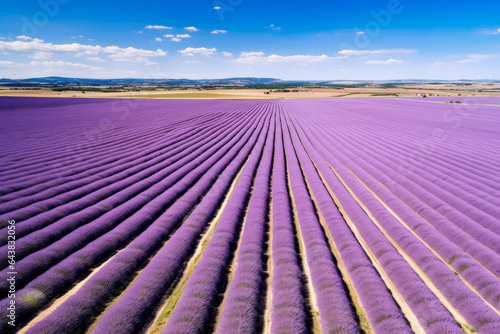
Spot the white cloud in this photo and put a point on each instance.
(360, 33)
(197, 51)
(260, 57)
(475, 58)
(249, 54)
(492, 32)
(138, 32)
(157, 27)
(374, 52)
(226, 54)
(117, 53)
(183, 35)
(191, 28)
(218, 31)
(61, 63)
(273, 27)
(168, 36)
(217, 7)
(472, 58)
(176, 39)
(6, 63)
(23, 37)
(385, 62)
(41, 55)
(95, 59)
(158, 39)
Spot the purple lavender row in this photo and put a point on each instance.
(449, 203)
(491, 210)
(193, 310)
(475, 243)
(474, 125)
(288, 309)
(151, 165)
(335, 311)
(75, 118)
(469, 304)
(453, 230)
(118, 142)
(14, 102)
(134, 307)
(58, 278)
(366, 126)
(398, 184)
(487, 285)
(438, 174)
(443, 173)
(449, 154)
(32, 265)
(133, 139)
(102, 166)
(244, 305)
(378, 303)
(424, 305)
(140, 182)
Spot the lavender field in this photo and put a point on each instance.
(357, 215)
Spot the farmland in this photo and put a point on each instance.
(356, 215)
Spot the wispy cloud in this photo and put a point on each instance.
(218, 31)
(65, 64)
(475, 58)
(23, 37)
(158, 27)
(226, 54)
(273, 27)
(492, 32)
(183, 35)
(217, 7)
(176, 39)
(96, 59)
(198, 51)
(168, 36)
(260, 57)
(472, 58)
(191, 28)
(41, 55)
(375, 52)
(158, 39)
(385, 62)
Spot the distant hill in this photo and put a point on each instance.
(133, 81)
(239, 81)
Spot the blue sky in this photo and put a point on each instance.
(324, 40)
